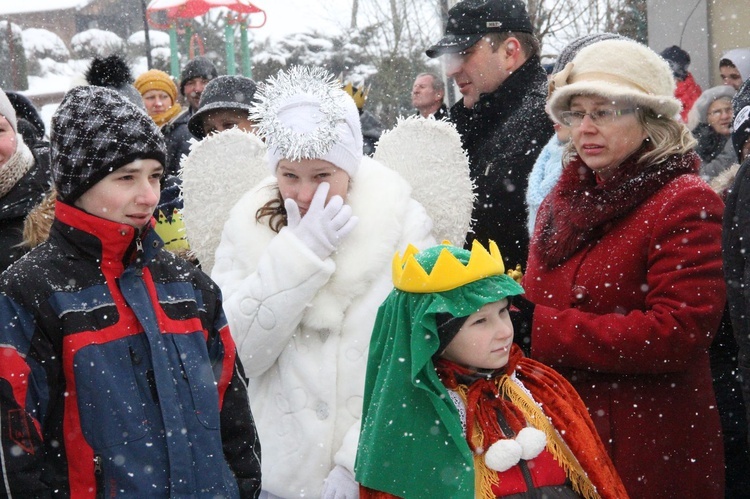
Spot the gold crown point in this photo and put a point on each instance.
(447, 272)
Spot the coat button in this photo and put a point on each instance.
(579, 294)
(321, 410)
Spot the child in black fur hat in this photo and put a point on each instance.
(120, 376)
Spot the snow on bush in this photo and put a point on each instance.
(42, 43)
(156, 38)
(92, 42)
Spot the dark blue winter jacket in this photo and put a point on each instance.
(119, 376)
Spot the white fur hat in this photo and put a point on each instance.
(303, 114)
(616, 69)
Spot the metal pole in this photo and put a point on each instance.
(450, 89)
(174, 60)
(229, 43)
(247, 68)
(146, 34)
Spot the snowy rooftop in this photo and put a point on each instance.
(18, 7)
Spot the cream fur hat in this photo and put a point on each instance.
(616, 69)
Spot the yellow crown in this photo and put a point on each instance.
(448, 272)
(358, 94)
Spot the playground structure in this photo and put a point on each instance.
(180, 12)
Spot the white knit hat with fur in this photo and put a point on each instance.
(303, 114)
(617, 69)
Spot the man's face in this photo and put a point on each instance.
(730, 75)
(478, 70)
(423, 95)
(194, 89)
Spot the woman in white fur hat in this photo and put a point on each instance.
(303, 264)
(624, 289)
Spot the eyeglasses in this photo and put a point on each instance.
(599, 117)
(718, 112)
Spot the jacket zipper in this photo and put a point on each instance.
(99, 476)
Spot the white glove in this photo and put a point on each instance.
(340, 484)
(324, 226)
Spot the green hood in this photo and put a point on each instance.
(411, 444)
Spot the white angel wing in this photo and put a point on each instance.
(428, 154)
(218, 171)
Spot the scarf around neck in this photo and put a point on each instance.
(16, 167)
(162, 119)
(580, 209)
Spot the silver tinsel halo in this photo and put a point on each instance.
(315, 83)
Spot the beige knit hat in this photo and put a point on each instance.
(616, 69)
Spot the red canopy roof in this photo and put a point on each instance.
(188, 9)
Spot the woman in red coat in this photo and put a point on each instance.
(624, 280)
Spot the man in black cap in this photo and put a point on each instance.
(195, 76)
(490, 51)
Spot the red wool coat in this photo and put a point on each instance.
(628, 319)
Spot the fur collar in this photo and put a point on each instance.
(580, 210)
(380, 198)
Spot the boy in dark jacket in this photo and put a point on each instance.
(119, 374)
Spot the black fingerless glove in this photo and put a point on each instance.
(522, 317)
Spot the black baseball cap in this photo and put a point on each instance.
(469, 20)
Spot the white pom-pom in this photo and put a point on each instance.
(532, 442)
(503, 455)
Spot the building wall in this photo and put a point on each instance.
(704, 28)
(730, 20)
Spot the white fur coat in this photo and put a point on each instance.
(302, 325)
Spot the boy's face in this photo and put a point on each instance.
(485, 339)
(731, 76)
(128, 195)
(224, 119)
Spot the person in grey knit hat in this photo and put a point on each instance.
(225, 103)
(95, 131)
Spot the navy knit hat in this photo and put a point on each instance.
(741, 126)
(678, 60)
(200, 67)
(571, 50)
(224, 92)
(95, 131)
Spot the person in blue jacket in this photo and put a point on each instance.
(119, 376)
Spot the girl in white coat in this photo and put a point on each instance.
(303, 264)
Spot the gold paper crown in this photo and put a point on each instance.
(448, 272)
(358, 94)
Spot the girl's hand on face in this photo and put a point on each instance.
(324, 226)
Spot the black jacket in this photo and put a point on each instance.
(177, 136)
(19, 201)
(735, 246)
(503, 134)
